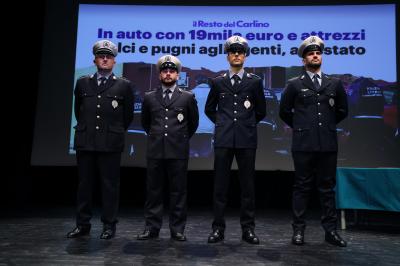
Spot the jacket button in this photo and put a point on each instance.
(235, 95)
(166, 126)
(166, 118)
(99, 96)
(319, 113)
(235, 112)
(235, 119)
(319, 103)
(98, 106)
(166, 109)
(235, 103)
(320, 123)
(166, 134)
(98, 117)
(97, 127)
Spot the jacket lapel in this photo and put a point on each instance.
(326, 81)
(244, 81)
(227, 82)
(93, 83)
(159, 96)
(110, 82)
(175, 95)
(306, 81)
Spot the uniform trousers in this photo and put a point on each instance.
(245, 159)
(105, 166)
(314, 168)
(158, 171)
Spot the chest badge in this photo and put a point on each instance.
(331, 102)
(247, 104)
(180, 117)
(305, 89)
(114, 104)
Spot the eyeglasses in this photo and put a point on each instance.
(104, 56)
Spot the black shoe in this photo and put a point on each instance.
(334, 238)
(178, 236)
(147, 234)
(250, 237)
(216, 236)
(78, 232)
(298, 237)
(107, 233)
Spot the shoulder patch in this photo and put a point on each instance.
(296, 78)
(327, 76)
(123, 78)
(252, 75)
(149, 92)
(86, 76)
(220, 76)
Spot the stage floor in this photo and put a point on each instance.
(37, 237)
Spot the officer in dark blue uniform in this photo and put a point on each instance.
(103, 110)
(312, 105)
(170, 117)
(235, 104)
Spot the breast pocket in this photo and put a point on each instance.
(307, 97)
(86, 98)
(222, 96)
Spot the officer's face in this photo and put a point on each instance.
(104, 62)
(312, 60)
(236, 58)
(168, 76)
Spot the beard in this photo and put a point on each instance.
(238, 65)
(313, 65)
(168, 83)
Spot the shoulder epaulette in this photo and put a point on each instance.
(252, 75)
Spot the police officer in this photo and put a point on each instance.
(312, 104)
(235, 104)
(103, 110)
(170, 118)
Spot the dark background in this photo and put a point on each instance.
(24, 186)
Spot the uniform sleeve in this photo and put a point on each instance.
(193, 122)
(77, 100)
(341, 103)
(128, 110)
(212, 102)
(287, 104)
(261, 108)
(146, 114)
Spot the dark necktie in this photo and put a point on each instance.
(315, 81)
(166, 97)
(102, 83)
(236, 80)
